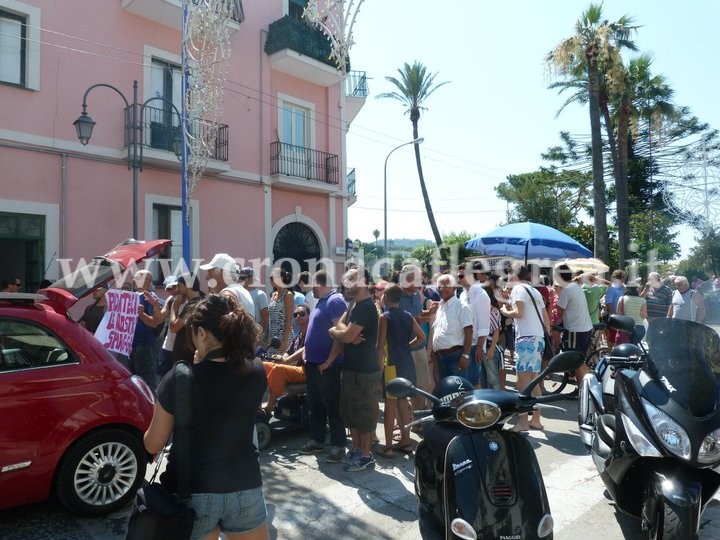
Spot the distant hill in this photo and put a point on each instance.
(402, 244)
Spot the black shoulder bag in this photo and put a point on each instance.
(548, 351)
(158, 514)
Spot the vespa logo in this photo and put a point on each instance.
(461, 467)
(666, 383)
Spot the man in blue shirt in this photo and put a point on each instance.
(322, 370)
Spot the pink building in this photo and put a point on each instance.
(277, 186)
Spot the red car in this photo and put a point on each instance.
(71, 417)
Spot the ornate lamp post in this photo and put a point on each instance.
(134, 135)
(419, 140)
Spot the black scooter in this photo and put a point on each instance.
(473, 479)
(651, 419)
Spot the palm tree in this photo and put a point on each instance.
(581, 55)
(413, 88)
(376, 234)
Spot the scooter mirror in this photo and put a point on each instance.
(623, 323)
(400, 388)
(566, 361)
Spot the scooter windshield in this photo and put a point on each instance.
(685, 359)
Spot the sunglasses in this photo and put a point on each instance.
(299, 314)
(460, 276)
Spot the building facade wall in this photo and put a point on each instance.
(86, 191)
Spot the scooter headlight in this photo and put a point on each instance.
(671, 434)
(710, 448)
(478, 414)
(640, 443)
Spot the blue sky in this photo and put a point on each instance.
(496, 116)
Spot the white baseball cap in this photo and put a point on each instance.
(222, 261)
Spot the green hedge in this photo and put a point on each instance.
(291, 33)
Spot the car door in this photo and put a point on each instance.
(40, 384)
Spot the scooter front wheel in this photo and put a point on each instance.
(674, 522)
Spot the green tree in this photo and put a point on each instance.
(376, 234)
(704, 259)
(579, 58)
(550, 196)
(413, 87)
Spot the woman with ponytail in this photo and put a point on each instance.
(226, 391)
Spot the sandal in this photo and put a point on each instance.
(386, 452)
(404, 448)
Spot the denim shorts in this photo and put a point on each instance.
(235, 512)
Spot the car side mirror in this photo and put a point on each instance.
(400, 388)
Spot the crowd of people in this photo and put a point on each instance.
(345, 342)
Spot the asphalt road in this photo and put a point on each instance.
(309, 499)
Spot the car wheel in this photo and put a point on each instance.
(263, 435)
(100, 472)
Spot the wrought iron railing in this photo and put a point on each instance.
(350, 179)
(301, 162)
(356, 84)
(161, 126)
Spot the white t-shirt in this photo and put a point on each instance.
(310, 300)
(243, 296)
(576, 317)
(529, 324)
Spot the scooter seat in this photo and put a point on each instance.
(295, 389)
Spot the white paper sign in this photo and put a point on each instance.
(117, 327)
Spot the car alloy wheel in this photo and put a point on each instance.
(101, 472)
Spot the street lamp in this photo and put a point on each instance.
(134, 135)
(419, 140)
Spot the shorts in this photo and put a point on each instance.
(235, 513)
(528, 353)
(404, 369)
(422, 369)
(576, 341)
(358, 394)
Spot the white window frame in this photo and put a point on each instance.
(150, 53)
(310, 106)
(32, 42)
(150, 202)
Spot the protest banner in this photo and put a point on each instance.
(117, 327)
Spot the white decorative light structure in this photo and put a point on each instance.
(205, 63)
(336, 20)
(694, 192)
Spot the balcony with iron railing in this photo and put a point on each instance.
(356, 91)
(170, 12)
(351, 193)
(161, 126)
(356, 84)
(304, 168)
(299, 49)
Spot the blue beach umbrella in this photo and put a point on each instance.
(528, 240)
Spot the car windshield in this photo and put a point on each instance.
(687, 355)
(89, 277)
